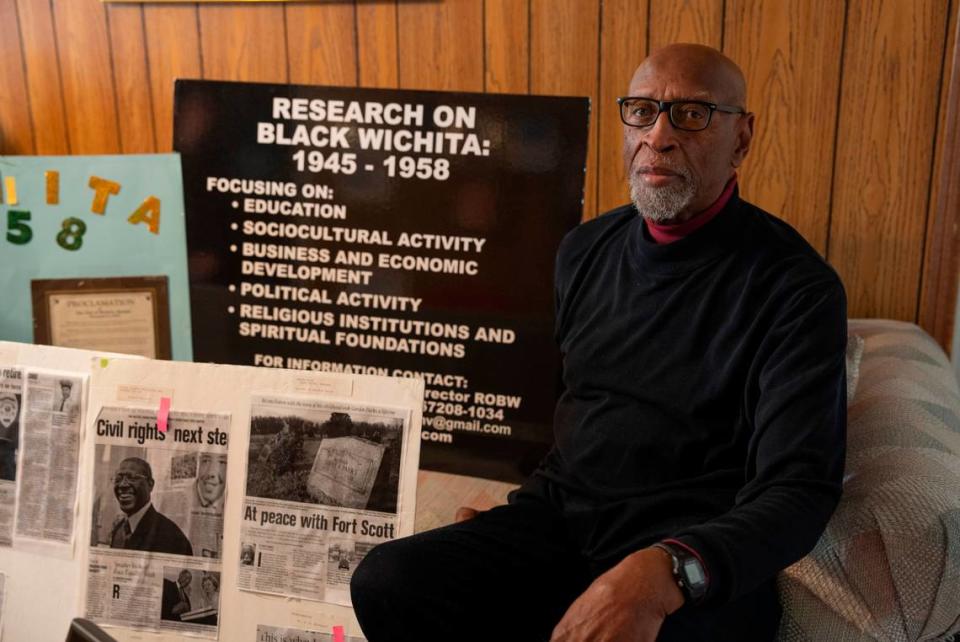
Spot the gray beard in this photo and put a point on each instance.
(662, 204)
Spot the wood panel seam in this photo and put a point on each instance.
(595, 108)
(286, 45)
(63, 99)
(649, 14)
(356, 44)
(196, 13)
(113, 80)
(529, 46)
(483, 30)
(146, 64)
(836, 133)
(26, 84)
(938, 293)
(396, 27)
(933, 158)
(723, 24)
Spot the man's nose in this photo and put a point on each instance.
(661, 136)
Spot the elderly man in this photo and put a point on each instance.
(700, 437)
(142, 528)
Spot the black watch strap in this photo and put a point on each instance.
(688, 572)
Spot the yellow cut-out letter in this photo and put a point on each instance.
(53, 187)
(102, 189)
(11, 184)
(149, 213)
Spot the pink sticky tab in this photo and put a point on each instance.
(163, 414)
(338, 634)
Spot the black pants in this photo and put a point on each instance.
(508, 576)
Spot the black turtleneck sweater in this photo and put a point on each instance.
(705, 394)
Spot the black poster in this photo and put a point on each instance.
(388, 232)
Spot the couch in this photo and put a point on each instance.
(888, 566)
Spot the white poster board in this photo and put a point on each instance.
(231, 390)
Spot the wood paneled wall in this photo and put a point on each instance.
(851, 97)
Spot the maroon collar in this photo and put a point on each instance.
(663, 234)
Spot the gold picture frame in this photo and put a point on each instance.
(145, 300)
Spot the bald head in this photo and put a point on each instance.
(696, 65)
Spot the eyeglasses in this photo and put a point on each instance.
(128, 478)
(688, 115)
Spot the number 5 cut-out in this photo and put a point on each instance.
(18, 232)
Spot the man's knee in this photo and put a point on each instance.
(378, 573)
(373, 591)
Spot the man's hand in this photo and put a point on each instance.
(626, 604)
(464, 513)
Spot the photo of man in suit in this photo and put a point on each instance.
(142, 528)
(9, 434)
(62, 402)
(176, 597)
(205, 499)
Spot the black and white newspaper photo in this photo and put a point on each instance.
(267, 633)
(322, 490)
(190, 596)
(49, 458)
(11, 397)
(157, 530)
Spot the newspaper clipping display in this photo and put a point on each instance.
(322, 490)
(50, 459)
(280, 634)
(11, 396)
(157, 527)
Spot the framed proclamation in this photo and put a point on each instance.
(129, 315)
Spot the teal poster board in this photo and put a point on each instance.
(79, 217)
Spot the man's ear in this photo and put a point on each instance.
(744, 138)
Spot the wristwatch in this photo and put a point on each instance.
(688, 571)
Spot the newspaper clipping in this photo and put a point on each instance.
(11, 395)
(157, 527)
(279, 634)
(322, 490)
(51, 449)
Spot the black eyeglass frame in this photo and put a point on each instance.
(666, 106)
